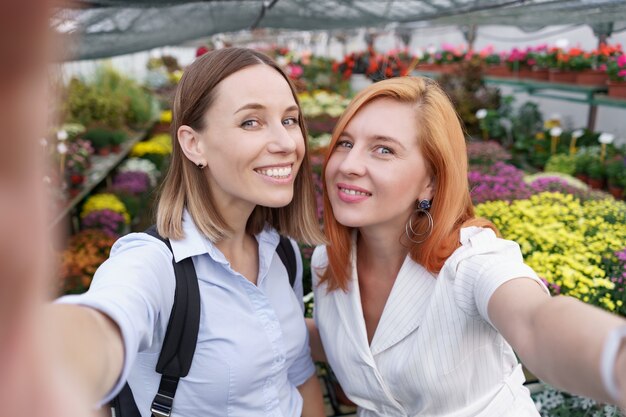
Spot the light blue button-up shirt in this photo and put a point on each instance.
(252, 349)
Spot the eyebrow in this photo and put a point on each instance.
(380, 138)
(257, 106)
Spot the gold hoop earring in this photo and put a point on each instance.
(423, 208)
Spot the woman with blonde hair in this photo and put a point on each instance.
(418, 303)
(239, 179)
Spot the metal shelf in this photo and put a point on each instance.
(591, 95)
(100, 169)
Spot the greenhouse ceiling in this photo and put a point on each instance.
(112, 27)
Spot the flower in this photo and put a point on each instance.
(556, 131)
(105, 201)
(62, 135)
(616, 68)
(109, 221)
(606, 138)
(62, 148)
(481, 113)
(143, 165)
(131, 182)
(565, 240)
(85, 252)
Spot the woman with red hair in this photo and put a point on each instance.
(420, 305)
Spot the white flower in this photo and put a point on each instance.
(606, 138)
(577, 133)
(62, 148)
(556, 131)
(62, 135)
(481, 114)
(431, 49)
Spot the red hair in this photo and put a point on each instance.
(442, 142)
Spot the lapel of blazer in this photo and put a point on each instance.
(405, 307)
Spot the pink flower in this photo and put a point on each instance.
(621, 61)
(622, 73)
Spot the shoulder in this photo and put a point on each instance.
(319, 259)
(136, 260)
(484, 243)
(135, 244)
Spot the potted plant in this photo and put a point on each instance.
(582, 161)
(100, 139)
(616, 69)
(77, 163)
(596, 173)
(563, 163)
(616, 176)
(117, 138)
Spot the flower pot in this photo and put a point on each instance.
(498, 71)
(449, 68)
(524, 73)
(540, 74)
(592, 77)
(617, 89)
(565, 77)
(596, 183)
(104, 151)
(616, 191)
(582, 177)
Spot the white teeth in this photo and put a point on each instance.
(352, 192)
(276, 172)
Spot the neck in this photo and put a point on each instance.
(381, 252)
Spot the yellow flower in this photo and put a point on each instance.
(565, 240)
(166, 116)
(105, 201)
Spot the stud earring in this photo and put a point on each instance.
(200, 165)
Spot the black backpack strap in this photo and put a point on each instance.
(288, 257)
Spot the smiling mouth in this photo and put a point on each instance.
(276, 172)
(353, 192)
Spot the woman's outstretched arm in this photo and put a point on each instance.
(560, 339)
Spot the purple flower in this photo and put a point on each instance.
(108, 221)
(502, 182)
(131, 182)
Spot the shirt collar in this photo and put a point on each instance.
(194, 243)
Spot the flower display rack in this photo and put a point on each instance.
(101, 167)
(592, 95)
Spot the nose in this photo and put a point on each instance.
(284, 140)
(352, 162)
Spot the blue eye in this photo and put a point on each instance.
(250, 123)
(290, 121)
(384, 150)
(343, 144)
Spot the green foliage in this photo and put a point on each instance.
(110, 99)
(468, 92)
(595, 169)
(563, 163)
(101, 137)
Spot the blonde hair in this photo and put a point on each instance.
(185, 186)
(442, 143)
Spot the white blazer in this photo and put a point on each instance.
(434, 352)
